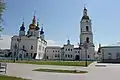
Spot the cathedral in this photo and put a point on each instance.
(84, 51)
(34, 46)
(30, 45)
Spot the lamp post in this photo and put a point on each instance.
(79, 51)
(18, 40)
(15, 52)
(85, 45)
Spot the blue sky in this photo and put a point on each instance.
(61, 18)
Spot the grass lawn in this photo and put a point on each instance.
(60, 71)
(60, 63)
(2, 77)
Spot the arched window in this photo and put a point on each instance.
(23, 47)
(87, 28)
(47, 57)
(58, 55)
(55, 55)
(31, 47)
(68, 56)
(88, 56)
(26, 54)
(87, 40)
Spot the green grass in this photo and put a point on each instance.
(60, 71)
(2, 77)
(59, 63)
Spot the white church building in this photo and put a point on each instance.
(84, 51)
(29, 45)
(34, 46)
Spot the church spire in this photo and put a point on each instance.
(68, 42)
(42, 32)
(85, 11)
(34, 19)
(85, 16)
(22, 28)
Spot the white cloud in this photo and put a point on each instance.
(52, 43)
(5, 41)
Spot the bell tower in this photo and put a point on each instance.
(86, 34)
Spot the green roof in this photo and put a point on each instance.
(85, 17)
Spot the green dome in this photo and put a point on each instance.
(85, 17)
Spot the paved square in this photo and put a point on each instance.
(110, 72)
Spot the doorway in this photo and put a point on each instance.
(77, 57)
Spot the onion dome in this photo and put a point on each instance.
(33, 25)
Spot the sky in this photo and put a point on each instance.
(61, 19)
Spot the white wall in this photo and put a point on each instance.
(41, 45)
(110, 49)
(28, 42)
(77, 51)
(68, 52)
(53, 53)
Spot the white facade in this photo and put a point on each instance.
(53, 53)
(29, 45)
(68, 52)
(86, 36)
(110, 52)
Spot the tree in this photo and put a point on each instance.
(2, 9)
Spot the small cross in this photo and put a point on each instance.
(34, 12)
(23, 19)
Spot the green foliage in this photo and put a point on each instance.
(59, 63)
(2, 9)
(2, 77)
(60, 71)
(1, 29)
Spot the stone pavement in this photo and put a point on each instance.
(25, 71)
(110, 72)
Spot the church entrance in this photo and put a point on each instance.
(77, 57)
(35, 54)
